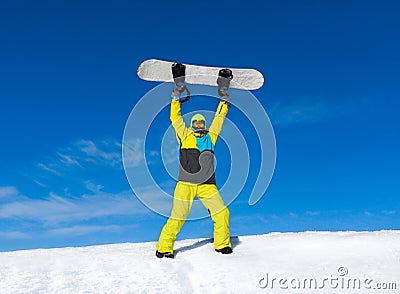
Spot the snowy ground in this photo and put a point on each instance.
(259, 264)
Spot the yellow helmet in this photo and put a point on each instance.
(198, 122)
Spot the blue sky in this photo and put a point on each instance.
(68, 84)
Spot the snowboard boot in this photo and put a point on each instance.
(164, 254)
(225, 250)
(224, 78)
(178, 73)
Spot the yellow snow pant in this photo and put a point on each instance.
(183, 199)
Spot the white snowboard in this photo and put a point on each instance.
(160, 71)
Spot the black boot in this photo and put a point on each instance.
(164, 254)
(224, 78)
(179, 72)
(225, 250)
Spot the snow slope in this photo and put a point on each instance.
(133, 268)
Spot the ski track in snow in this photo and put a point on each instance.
(197, 268)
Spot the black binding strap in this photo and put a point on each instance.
(178, 73)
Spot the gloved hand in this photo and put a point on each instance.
(176, 93)
(223, 94)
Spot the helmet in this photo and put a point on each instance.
(198, 123)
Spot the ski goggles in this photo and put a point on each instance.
(199, 124)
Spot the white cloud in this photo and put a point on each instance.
(95, 188)
(49, 169)
(154, 199)
(84, 230)
(97, 154)
(133, 153)
(389, 212)
(81, 152)
(56, 209)
(8, 192)
(313, 213)
(40, 184)
(68, 215)
(14, 235)
(68, 160)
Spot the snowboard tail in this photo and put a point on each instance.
(160, 71)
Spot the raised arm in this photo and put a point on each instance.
(177, 120)
(218, 121)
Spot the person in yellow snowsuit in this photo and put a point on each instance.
(196, 177)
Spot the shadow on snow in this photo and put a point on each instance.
(234, 241)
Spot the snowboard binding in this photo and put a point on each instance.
(224, 79)
(179, 73)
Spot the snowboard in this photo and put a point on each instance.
(160, 71)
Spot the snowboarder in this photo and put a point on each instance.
(196, 174)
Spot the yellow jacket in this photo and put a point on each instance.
(197, 150)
